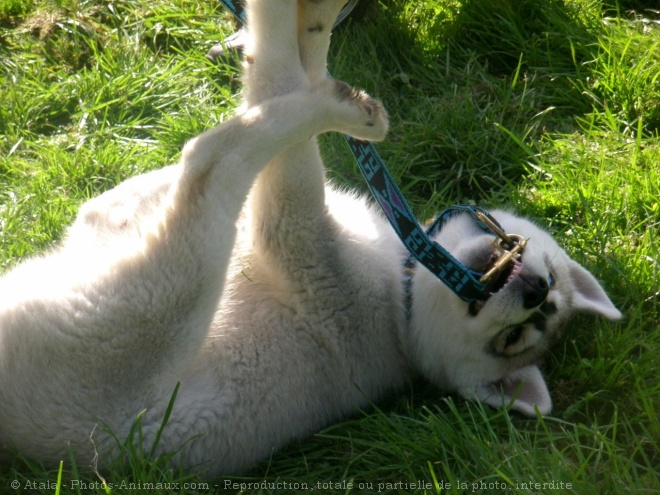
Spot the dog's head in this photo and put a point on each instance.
(490, 350)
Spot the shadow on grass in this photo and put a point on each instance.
(473, 88)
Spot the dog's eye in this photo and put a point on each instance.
(551, 280)
(510, 341)
(513, 337)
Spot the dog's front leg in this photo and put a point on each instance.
(287, 47)
(102, 344)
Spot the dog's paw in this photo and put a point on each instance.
(360, 115)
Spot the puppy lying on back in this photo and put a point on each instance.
(274, 300)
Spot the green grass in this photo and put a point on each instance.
(548, 107)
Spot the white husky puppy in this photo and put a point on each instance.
(276, 302)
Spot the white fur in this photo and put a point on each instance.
(275, 301)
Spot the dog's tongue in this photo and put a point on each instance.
(522, 390)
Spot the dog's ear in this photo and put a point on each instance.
(588, 295)
(523, 390)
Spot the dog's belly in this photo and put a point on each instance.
(280, 363)
(255, 389)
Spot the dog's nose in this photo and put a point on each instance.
(535, 290)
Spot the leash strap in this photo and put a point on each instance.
(465, 283)
(237, 9)
(460, 279)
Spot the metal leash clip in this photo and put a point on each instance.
(510, 247)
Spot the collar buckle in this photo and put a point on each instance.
(509, 246)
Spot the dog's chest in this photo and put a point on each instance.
(339, 320)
